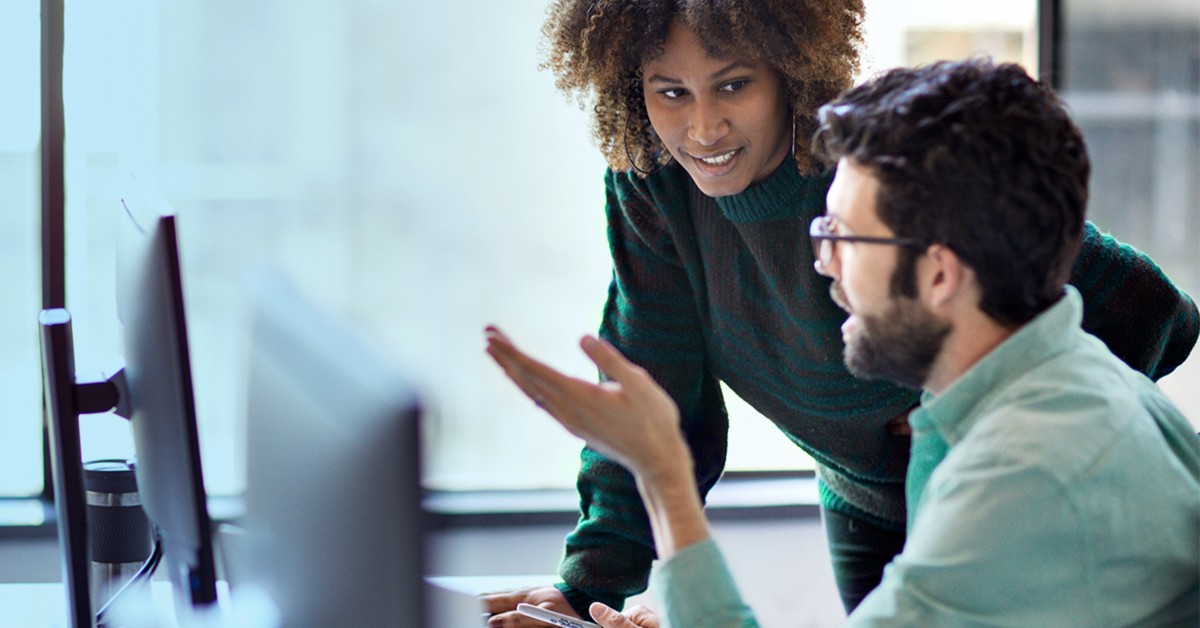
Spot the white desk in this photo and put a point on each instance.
(453, 603)
(43, 604)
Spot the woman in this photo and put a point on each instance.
(703, 111)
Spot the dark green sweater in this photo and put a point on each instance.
(707, 290)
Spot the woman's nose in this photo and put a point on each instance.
(707, 124)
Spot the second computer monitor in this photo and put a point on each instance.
(334, 530)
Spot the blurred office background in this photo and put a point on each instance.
(411, 170)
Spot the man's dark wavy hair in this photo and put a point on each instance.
(979, 157)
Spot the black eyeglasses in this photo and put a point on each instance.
(823, 231)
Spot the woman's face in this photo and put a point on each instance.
(724, 120)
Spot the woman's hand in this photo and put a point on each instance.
(502, 607)
(636, 617)
(628, 418)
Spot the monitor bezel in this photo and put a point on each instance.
(155, 251)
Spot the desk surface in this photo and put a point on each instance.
(43, 604)
(452, 599)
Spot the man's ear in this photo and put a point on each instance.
(944, 278)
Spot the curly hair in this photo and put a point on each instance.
(596, 49)
(976, 156)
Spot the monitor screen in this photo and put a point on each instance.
(154, 391)
(333, 527)
(162, 408)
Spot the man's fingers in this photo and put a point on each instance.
(517, 362)
(545, 385)
(512, 370)
(523, 370)
(609, 360)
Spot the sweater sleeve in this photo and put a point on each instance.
(651, 317)
(1132, 306)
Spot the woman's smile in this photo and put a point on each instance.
(725, 120)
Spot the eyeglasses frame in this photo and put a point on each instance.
(818, 233)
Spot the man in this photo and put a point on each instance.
(1049, 484)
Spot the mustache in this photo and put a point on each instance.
(839, 296)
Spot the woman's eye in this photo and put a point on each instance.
(734, 86)
(672, 94)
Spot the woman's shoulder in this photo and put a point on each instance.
(668, 186)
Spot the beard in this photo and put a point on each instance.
(899, 345)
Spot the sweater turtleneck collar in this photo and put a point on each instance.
(784, 193)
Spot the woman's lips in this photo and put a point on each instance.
(716, 163)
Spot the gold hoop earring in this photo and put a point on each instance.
(793, 136)
(625, 141)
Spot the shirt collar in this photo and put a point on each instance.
(952, 412)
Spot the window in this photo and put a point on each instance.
(20, 274)
(409, 168)
(914, 33)
(403, 180)
(1131, 75)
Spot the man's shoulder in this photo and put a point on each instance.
(1064, 412)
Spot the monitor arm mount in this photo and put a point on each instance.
(110, 394)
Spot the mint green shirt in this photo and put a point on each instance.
(1066, 493)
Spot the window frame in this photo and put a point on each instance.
(51, 155)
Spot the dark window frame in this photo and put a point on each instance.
(53, 189)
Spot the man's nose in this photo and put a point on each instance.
(826, 262)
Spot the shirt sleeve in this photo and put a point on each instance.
(697, 590)
(995, 542)
(651, 317)
(1132, 306)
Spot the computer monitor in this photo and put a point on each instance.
(154, 391)
(158, 376)
(333, 524)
